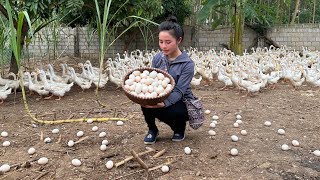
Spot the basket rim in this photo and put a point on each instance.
(172, 82)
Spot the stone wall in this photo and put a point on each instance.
(295, 37)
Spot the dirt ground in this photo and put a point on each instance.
(260, 155)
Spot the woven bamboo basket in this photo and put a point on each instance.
(147, 100)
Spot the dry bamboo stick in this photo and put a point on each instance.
(131, 157)
(160, 153)
(139, 160)
(159, 166)
(82, 139)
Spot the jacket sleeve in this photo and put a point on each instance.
(182, 84)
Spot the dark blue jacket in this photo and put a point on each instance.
(182, 71)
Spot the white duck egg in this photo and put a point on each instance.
(138, 89)
(76, 162)
(238, 116)
(165, 169)
(80, 134)
(136, 73)
(316, 152)
(281, 131)
(119, 123)
(267, 123)
(137, 79)
(214, 121)
(169, 86)
(95, 128)
(143, 81)
(4, 168)
(155, 84)
(102, 134)
(159, 90)
(212, 132)
(154, 94)
(207, 111)
(71, 143)
(31, 150)
(109, 164)
(103, 147)
(215, 117)
(234, 138)
(150, 88)
(89, 121)
(213, 125)
(134, 93)
(4, 134)
(162, 94)
(105, 142)
(234, 152)
(132, 87)
(285, 147)
(167, 80)
(244, 132)
(187, 150)
(164, 84)
(43, 160)
(153, 74)
(6, 143)
(239, 121)
(143, 76)
(160, 82)
(126, 87)
(146, 72)
(295, 143)
(160, 76)
(55, 131)
(149, 81)
(235, 125)
(148, 95)
(47, 140)
(144, 88)
(132, 77)
(128, 82)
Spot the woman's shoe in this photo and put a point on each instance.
(151, 137)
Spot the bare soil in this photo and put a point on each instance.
(260, 155)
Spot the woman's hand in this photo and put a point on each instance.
(159, 105)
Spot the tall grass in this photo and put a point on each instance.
(15, 39)
(106, 33)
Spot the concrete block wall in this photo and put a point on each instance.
(295, 37)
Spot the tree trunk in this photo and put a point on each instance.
(14, 66)
(296, 8)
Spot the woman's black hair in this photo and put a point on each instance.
(173, 27)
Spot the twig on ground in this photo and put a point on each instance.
(82, 139)
(139, 160)
(125, 103)
(131, 157)
(41, 175)
(41, 136)
(59, 139)
(160, 153)
(159, 166)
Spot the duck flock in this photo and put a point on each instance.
(261, 68)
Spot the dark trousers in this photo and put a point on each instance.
(175, 116)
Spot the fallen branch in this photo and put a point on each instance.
(139, 160)
(131, 157)
(41, 136)
(160, 153)
(82, 139)
(59, 139)
(159, 166)
(41, 175)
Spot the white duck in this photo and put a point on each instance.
(4, 92)
(57, 89)
(36, 87)
(82, 82)
(55, 77)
